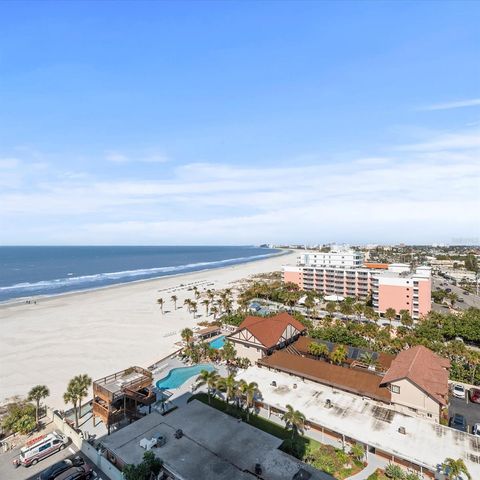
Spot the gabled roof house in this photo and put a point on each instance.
(418, 380)
(260, 336)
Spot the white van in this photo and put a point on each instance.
(41, 447)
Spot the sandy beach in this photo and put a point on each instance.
(99, 332)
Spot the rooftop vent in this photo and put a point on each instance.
(402, 430)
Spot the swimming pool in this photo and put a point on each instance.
(178, 376)
(218, 342)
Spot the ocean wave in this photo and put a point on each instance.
(98, 278)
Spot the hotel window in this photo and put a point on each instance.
(394, 388)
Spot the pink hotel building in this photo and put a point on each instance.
(394, 287)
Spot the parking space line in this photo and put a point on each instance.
(71, 450)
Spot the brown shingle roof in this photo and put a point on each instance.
(348, 379)
(269, 330)
(423, 368)
(207, 330)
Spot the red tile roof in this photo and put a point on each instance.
(269, 330)
(423, 368)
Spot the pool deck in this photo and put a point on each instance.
(179, 395)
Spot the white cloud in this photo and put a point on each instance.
(117, 157)
(447, 141)
(9, 163)
(422, 192)
(472, 102)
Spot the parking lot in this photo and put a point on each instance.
(9, 472)
(463, 406)
(465, 300)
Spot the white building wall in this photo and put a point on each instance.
(252, 352)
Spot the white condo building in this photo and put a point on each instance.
(337, 257)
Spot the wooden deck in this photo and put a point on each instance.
(117, 396)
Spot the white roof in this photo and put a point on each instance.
(425, 443)
(334, 298)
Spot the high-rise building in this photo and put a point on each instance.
(394, 287)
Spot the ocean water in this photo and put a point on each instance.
(29, 271)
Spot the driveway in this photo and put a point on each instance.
(8, 472)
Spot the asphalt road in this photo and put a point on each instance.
(470, 300)
(9, 472)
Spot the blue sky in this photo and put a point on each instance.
(239, 122)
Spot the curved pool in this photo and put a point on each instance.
(178, 376)
(218, 342)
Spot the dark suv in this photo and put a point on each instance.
(56, 469)
(458, 422)
(76, 473)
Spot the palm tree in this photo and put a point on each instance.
(193, 352)
(206, 302)
(313, 349)
(405, 318)
(187, 335)
(294, 420)
(359, 308)
(174, 299)
(346, 308)
(330, 307)
(210, 295)
(83, 382)
(339, 354)
(390, 315)
(453, 297)
(214, 311)
(228, 385)
(188, 303)
(160, 303)
(368, 358)
(227, 304)
(317, 349)
(210, 379)
(35, 395)
(370, 313)
(248, 390)
(71, 396)
(456, 468)
(77, 389)
(194, 309)
(229, 353)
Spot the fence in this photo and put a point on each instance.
(88, 450)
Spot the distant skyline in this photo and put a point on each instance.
(150, 123)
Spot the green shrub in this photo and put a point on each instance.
(412, 476)
(394, 472)
(20, 418)
(294, 447)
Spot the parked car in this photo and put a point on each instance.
(458, 391)
(57, 468)
(448, 290)
(466, 293)
(40, 447)
(76, 473)
(476, 430)
(474, 395)
(458, 422)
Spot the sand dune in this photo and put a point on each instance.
(102, 331)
